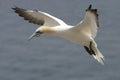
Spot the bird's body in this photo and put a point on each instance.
(83, 33)
(68, 33)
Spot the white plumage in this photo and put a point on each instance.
(83, 33)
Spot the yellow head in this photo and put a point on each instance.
(42, 30)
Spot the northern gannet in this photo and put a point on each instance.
(83, 33)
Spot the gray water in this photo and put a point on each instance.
(54, 58)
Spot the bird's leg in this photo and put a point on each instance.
(88, 50)
(91, 50)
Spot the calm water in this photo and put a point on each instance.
(53, 58)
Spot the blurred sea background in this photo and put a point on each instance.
(54, 58)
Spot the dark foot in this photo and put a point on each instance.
(88, 50)
(92, 51)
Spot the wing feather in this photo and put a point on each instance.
(38, 17)
(90, 22)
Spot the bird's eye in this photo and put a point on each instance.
(39, 32)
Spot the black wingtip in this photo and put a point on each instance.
(94, 11)
(15, 8)
(18, 9)
(90, 6)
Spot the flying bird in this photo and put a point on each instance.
(82, 33)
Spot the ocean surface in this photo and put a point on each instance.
(54, 58)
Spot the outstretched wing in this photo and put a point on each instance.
(90, 22)
(38, 17)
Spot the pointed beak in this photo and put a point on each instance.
(33, 36)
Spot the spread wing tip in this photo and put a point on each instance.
(25, 14)
(90, 6)
(94, 11)
(17, 9)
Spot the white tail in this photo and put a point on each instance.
(98, 55)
